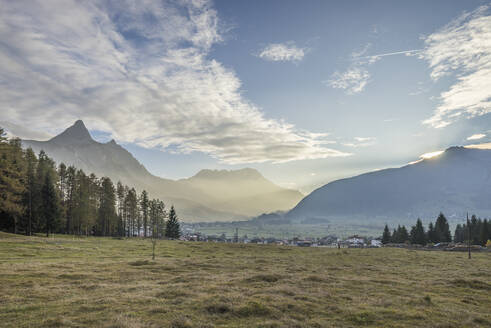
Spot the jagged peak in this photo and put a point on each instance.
(76, 133)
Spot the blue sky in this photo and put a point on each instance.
(304, 91)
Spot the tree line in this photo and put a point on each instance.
(36, 196)
(438, 232)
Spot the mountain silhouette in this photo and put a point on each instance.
(207, 196)
(455, 182)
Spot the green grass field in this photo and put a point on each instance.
(104, 282)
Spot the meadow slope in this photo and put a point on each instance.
(105, 282)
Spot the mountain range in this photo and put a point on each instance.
(455, 182)
(210, 195)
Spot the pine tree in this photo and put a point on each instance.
(31, 163)
(484, 233)
(144, 210)
(50, 205)
(475, 230)
(131, 203)
(12, 183)
(70, 186)
(107, 212)
(442, 230)
(120, 192)
(386, 237)
(418, 235)
(431, 235)
(459, 234)
(172, 229)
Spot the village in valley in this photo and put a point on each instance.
(330, 241)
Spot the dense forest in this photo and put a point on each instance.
(36, 196)
(439, 232)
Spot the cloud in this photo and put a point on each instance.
(476, 136)
(141, 71)
(356, 77)
(282, 52)
(19, 131)
(462, 48)
(480, 146)
(353, 80)
(361, 142)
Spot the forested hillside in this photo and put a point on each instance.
(38, 196)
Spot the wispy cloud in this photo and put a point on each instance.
(23, 132)
(141, 71)
(353, 80)
(356, 77)
(476, 136)
(361, 142)
(480, 146)
(282, 52)
(462, 48)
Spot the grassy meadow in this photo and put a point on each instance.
(105, 282)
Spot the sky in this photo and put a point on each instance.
(304, 91)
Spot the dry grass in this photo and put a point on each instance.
(104, 282)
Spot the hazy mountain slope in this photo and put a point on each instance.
(457, 181)
(208, 198)
(244, 191)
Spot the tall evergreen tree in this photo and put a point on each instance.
(400, 235)
(50, 205)
(107, 213)
(459, 234)
(386, 237)
(12, 186)
(418, 235)
(484, 233)
(432, 235)
(131, 203)
(120, 193)
(442, 229)
(31, 164)
(172, 229)
(144, 211)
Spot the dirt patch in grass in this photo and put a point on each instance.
(474, 284)
(141, 262)
(74, 276)
(264, 278)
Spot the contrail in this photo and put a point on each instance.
(395, 53)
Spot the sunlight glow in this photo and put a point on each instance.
(431, 155)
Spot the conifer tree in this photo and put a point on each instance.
(172, 229)
(418, 235)
(459, 234)
(442, 230)
(432, 238)
(50, 205)
(144, 210)
(12, 186)
(107, 213)
(31, 164)
(484, 233)
(386, 237)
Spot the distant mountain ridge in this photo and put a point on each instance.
(210, 195)
(455, 182)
